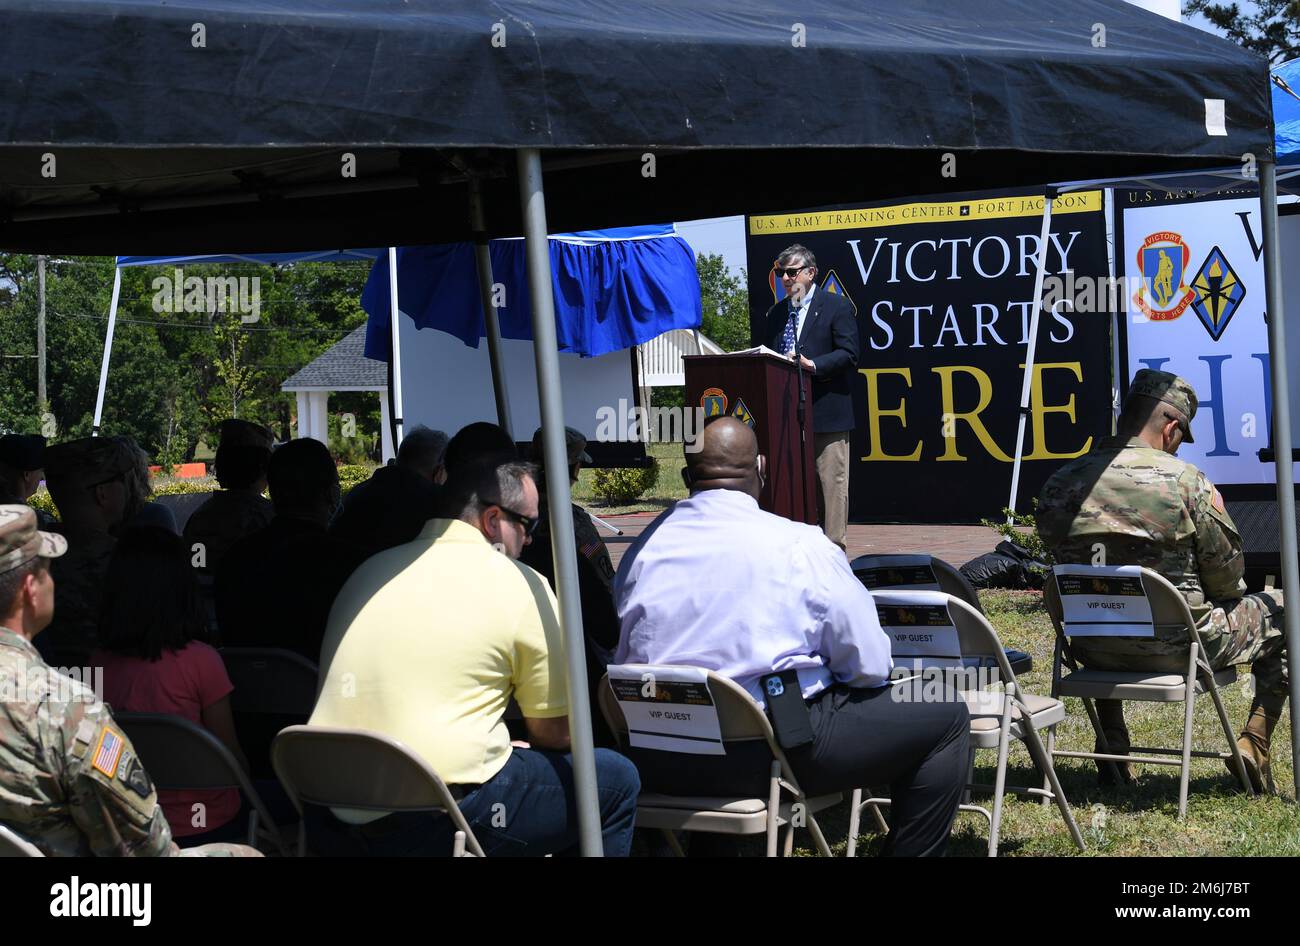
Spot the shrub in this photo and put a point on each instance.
(350, 474)
(1031, 541)
(625, 484)
(41, 500)
(178, 486)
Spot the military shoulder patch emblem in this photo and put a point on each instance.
(108, 753)
(136, 778)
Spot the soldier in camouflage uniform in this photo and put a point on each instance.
(239, 509)
(588, 540)
(88, 483)
(1130, 501)
(70, 781)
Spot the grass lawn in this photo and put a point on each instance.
(1140, 820)
(662, 495)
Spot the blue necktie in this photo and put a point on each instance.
(787, 341)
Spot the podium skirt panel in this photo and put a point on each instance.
(832, 451)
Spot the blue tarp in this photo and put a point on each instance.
(613, 289)
(1286, 112)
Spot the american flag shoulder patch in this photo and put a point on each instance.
(108, 753)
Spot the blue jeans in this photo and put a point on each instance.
(525, 810)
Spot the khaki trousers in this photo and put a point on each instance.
(832, 451)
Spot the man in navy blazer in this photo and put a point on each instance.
(820, 328)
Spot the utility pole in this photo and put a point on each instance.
(42, 403)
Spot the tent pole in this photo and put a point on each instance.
(1048, 197)
(397, 347)
(1112, 270)
(483, 256)
(563, 547)
(108, 348)
(1281, 430)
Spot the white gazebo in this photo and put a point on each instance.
(344, 367)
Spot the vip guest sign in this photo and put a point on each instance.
(920, 629)
(894, 571)
(1104, 602)
(668, 708)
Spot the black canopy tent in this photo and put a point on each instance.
(217, 125)
(244, 134)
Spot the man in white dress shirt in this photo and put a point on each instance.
(716, 582)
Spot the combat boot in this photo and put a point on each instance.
(1111, 714)
(1254, 744)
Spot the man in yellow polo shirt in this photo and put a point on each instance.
(426, 643)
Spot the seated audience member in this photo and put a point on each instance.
(590, 544)
(22, 467)
(140, 510)
(70, 780)
(274, 587)
(427, 643)
(239, 508)
(716, 582)
(1131, 499)
(475, 441)
(393, 505)
(599, 621)
(155, 662)
(87, 481)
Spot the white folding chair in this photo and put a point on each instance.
(12, 845)
(740, 720)
(1154, 683)
(355, 768)
(996, 718)
(923, 572)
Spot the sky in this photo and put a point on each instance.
(726, 235)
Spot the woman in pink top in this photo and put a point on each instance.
(154, 662)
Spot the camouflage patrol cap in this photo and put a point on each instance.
(1168, 387)
(575, 444)
(21, 541)
(242, 433)
(86, 462)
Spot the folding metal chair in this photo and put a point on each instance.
(355, 768)
(920, 572)
(12, 845)
(274, 688)
(996, 718)
(271, 680)
(741, 719)
(1153, 684)
(181, 756)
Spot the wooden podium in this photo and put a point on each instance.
(762, 389)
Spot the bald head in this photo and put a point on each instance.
(727, 458)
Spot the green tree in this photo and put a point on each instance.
(174, 375)
(1271, 28)
(726, 303)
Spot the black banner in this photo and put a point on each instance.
(943, 290)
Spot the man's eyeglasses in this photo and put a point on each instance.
(791, 271)
(528, 522)
(1182, 424)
